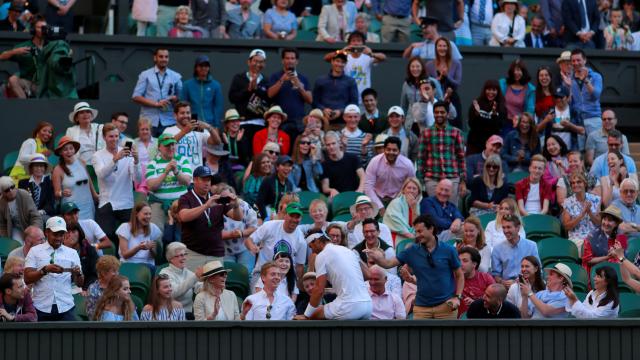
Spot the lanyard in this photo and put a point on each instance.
(161, 83)
(233, 146)
(206, 212)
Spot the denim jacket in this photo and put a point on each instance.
(312, 171)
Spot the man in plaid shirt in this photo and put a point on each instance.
(441, 154)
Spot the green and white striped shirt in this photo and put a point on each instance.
(170, 188)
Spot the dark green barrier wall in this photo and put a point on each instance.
(372, 340)
(119, 59)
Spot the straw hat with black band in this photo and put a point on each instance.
(212, 268)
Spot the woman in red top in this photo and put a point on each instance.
(544, 92)
(272, 133)
(601, 240)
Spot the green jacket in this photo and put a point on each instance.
(57, 75)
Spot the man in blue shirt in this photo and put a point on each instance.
(157, 90)
(446, 216)
(507, 255)
(427, 49)
(290, 90)
(437, 269)
(395, 17)
(242, 23)
(586, 87)
(334, 91)
(600, 166)
(204, 93)
(629, 208)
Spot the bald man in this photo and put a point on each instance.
(386, 305)
(33, 236)
(493, 305)
(445, 214)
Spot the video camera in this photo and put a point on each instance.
(51, 33)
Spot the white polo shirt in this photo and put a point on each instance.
(52, 288)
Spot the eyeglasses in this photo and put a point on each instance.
(180, 255)
(628, 191)
(10, 188)
(305, 142)
(493, 166)
(269, 312)
(271, 152)
(82, 182)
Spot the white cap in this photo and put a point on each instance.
(56, 224)
(395, 110)
(260, 52)
(351, 108)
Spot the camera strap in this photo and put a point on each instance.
(207, 210)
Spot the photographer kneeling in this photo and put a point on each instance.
(29, 56)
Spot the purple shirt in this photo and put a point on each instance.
(384, 179)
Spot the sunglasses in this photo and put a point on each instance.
(305, 142)
(271, 152)
(269, 312)
(493, 166)
(10, 188)
(82, 182)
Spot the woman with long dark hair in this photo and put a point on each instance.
(603, 302)
(603, 239)
(287, 284)
(555, 151)
(75, 238)
(115, 304)
(544, 91)
(261, 167)
(522, 144)
(416, 71)
(487, 116)
(611, 183)
(519, 93)
(531, 272)
(306, 170)
(161, 306)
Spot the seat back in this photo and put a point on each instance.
(557, 250)
(7, 245)
(309, 23)
(539, 226)
(633, 247)
(486, 219)
(237, 279)
(629, 305)
(343, 201)
(8, 161)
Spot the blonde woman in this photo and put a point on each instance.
(473, 236)
(493, 232)
(182, 27)
(215, 302)
(402, 210)
(488, 190)
(147, 147)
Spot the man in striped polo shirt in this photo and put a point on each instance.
(168, 176)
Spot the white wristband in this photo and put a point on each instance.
(309, 310)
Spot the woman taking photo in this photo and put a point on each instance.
(544, 92)
(138, 237)
(602, 302)
(519, 93)
(107, 267)
(161, 305)
(306, 168)
(402, 210)
(234, 232)
(215, 302)
(493, 233)
(39, 185)
(611, 183)
(473, 236)
(531, 272)
(602, 240)
(581, 210)
(576, 163)
(410, 93)
(488, 190)
(115, 304)
(448, 72)
(40, 143)
(279, 23)
(521, 144)
(147, 147)
(71, 181)
(487, 116)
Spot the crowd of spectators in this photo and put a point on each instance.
(200, 186)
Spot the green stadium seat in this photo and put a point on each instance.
(237, 279)
(309, 23)
(139, 277)
(516, 176)
(93, 177)
(558, 250)
(306, 219)
(416, 30)
(539, 227)
(305, 35)
(160, 258)
(343, 201)
(486, 219)
(9, 160)
(633, 247)
(53, 161)
(138, 302)
(579, 277)
(6, 246)
(81, 307)
(622, 287)
(109, 251)
(629, 306)
(342, 217)
(139, 197)
(56, 140)
(306, 197)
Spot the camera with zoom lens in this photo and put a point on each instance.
(52, 33)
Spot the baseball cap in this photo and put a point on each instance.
(260, 52)
(166, 139)
(561, 91)
(68, 207)
(202, 59)
(495, 139)
(56, 224)
(294, 208)
(283, 159)
(395, 110)
(202, 171)
(351, 108)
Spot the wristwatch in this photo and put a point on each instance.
(530, 294)
(459, 296)
(43, 271)
(621, 259)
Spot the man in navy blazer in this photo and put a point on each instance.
(537, 38)
(581, 21)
